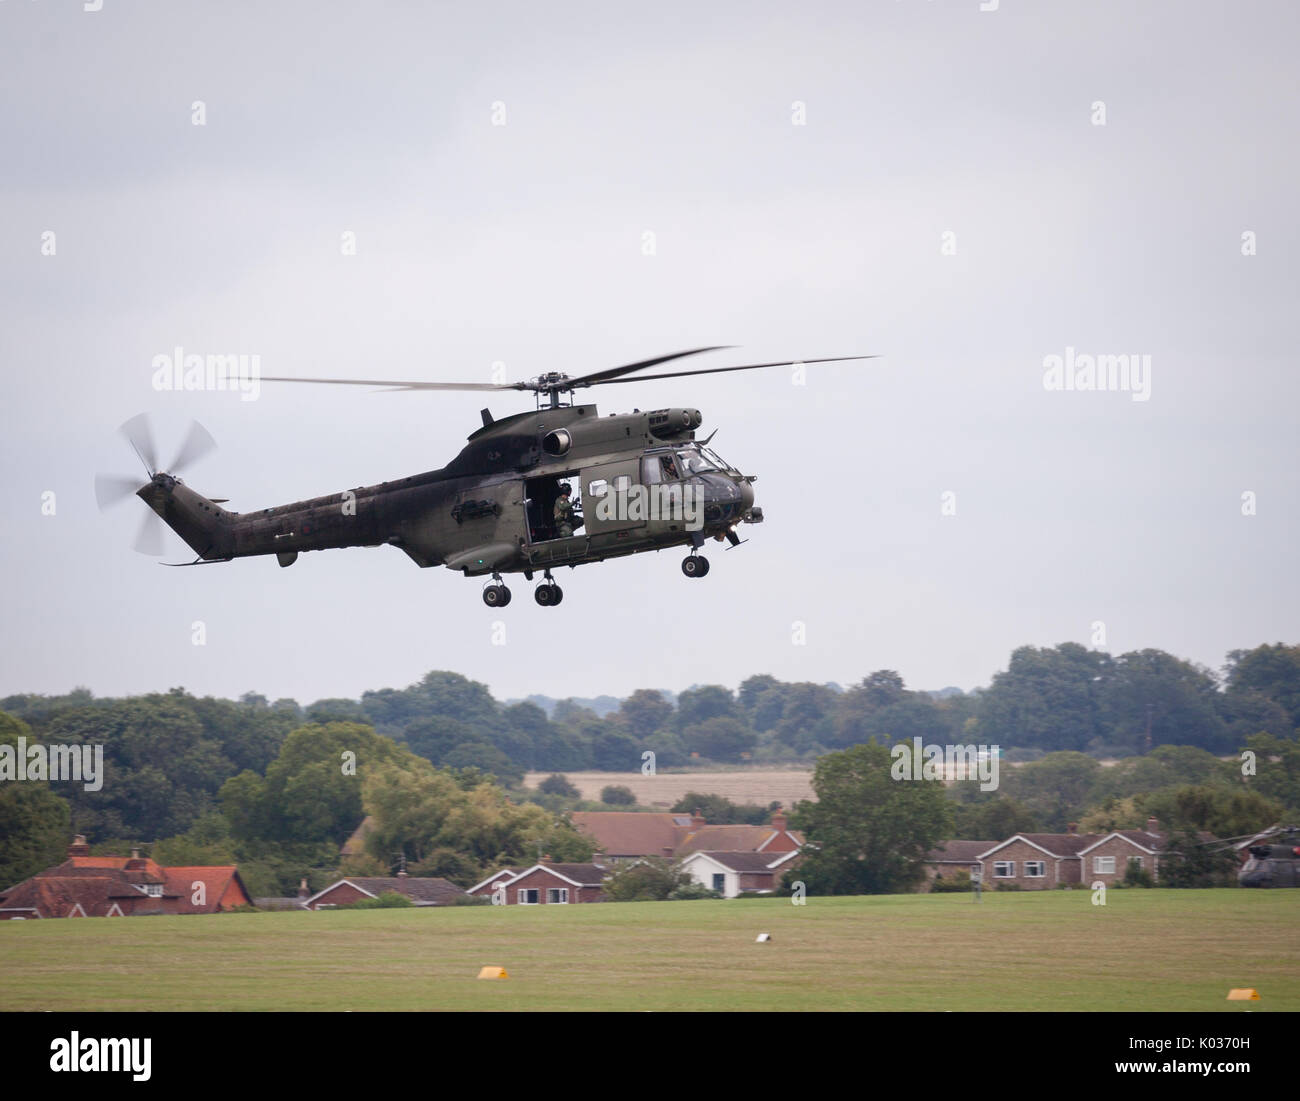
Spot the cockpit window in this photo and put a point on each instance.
(694, 460)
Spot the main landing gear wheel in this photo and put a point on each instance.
(695, 566)
(496, 596)
(548, 594)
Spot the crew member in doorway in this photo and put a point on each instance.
(564, 513)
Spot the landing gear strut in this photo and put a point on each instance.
(695, 566)
(496, 595)
(548, 593)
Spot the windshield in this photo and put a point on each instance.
(698, 460)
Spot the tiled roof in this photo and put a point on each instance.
(585, 875)
(417, 889)
(725, 839)
(743, 861)
(1061, 844)
(629, 833)
(215, 879)
(58, 896)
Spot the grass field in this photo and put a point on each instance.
(1144, 950)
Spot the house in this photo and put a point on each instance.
(622, 836)
(1107, 860)
(630, 835)
(555, 883)
(736, 873)
(1036, 861)
(421, 891)
(486, 887)
(122, 886)
(947, 860)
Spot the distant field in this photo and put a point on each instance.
(1145, 950)
(661, 791)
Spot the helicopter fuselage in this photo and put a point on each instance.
(638, 482)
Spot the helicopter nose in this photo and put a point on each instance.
(724, 498)
(746, 496)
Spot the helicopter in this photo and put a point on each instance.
(529, 493)
(1275, 864)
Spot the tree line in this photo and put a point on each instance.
(214, 772)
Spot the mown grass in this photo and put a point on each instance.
(1143, 950)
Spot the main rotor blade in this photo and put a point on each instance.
(719, 370)
(112, 489)
(401, 385)
(615, 372)
(148, 539)
(140, 436)
(198, 443)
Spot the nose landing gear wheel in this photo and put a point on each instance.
(496, 596)
(548, 594)
(695, 566)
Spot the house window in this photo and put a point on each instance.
(153, 890)
(1004, 869)
(557, 894)
(1135, 860)
(720, 882)
(1103, 865)
(526, 896)
(1035, 869)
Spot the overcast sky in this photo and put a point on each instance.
(923, 181)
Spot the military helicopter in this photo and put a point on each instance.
(1275, 864)
(507, 502)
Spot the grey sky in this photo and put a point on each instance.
(523, 244)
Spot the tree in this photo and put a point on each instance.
(1189, 862)
(718, 810)
(555, 784)
(617, 795)
(1274, 673)
(991, 819)
(806, 716)
(720, 739)
(1056, 790)
(34, 822)
(698, 705)
(1223, 812)
(644, 713)
(1277, 771)
(1174, 700)
(650, 880)
(868, 833)
(1046, 698)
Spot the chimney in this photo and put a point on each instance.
(79, 846)
(303, 890)
(135, 853)
(1153, 825)
(697, 819)
(778, 820)
(1073, 827)
(598, 859)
